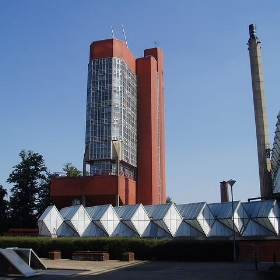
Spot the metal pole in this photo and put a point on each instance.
(256, 260)
(233, 226)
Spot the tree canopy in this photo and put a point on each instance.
(44, 198)
(30, 191)
(71, 170)
(3, 210)
(168, 199)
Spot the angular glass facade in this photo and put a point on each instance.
(257, 218)
(111, 116)
(275, 158)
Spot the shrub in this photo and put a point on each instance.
(143, 249)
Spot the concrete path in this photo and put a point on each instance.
(105, 270)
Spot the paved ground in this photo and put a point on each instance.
(68, 269)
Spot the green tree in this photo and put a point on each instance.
(168, 199)
(3, 210)
(44, 198)
(71, 170)
(30, 180)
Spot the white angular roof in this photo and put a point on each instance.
(265, 213)
(76, 218)
(223, 213)
(198, 215)
(105, 217)
(166, 216)
(134, 216)
(256, 218)
(50, 222)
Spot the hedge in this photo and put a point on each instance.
(143, 249)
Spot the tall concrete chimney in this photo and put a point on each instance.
(260, 113)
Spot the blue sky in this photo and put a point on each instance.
(210, 133)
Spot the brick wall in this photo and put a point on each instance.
(263, 248)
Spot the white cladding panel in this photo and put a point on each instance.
(67, 230)
(255, 229)
(190, 211)
(97, 212)
(223, 213)
(123, 230)
(172, 220)
(198, 215)
(184, 230)
(105, 217)
(50, 222)
(126, 212)
(263, 212)
(277, 182)
(94, 230)
(134, 216)
(241, 218)
(80, 220)
(166, 216)
(46, 212)
(205, 223)
(223, 210)
(43, 229)
(274, 216)
(155, 231)
(220, 229)
(68, 212)
(157, 212)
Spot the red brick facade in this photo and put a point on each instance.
(264, 250)
(93, 190)
(151, 187)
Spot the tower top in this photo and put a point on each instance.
(253, 31)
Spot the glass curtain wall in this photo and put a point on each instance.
(111, 116)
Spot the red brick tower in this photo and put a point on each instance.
(125, 138)
(151, 184)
